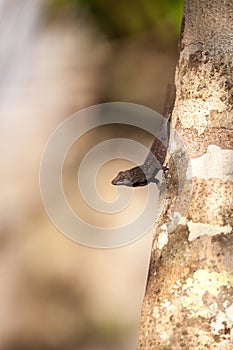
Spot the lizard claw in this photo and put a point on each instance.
(165, 168)
(156, 181)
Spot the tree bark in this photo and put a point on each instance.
(189, 296)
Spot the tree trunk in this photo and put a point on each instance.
(189, 297)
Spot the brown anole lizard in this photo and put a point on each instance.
(146, 173)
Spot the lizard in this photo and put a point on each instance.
(146, 173)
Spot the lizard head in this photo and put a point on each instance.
(123, 179)
(133, 177)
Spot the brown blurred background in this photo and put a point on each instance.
(57, 57)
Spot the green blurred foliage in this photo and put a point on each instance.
(127, 18)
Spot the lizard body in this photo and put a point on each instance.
(146, 173)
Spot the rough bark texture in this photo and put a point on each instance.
(189, 297)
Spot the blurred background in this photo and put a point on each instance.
(57, 57)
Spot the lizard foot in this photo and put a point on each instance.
(158, 183)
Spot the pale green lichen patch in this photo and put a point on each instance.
(215, 163)
(165, 306)
(223, 323)
(195, 288)
(162, 315)
(178, 219)
(162, 239)
(193, 112)
(198, 229)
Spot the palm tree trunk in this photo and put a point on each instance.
(189, 297)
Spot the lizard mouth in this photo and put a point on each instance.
(116, 182)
